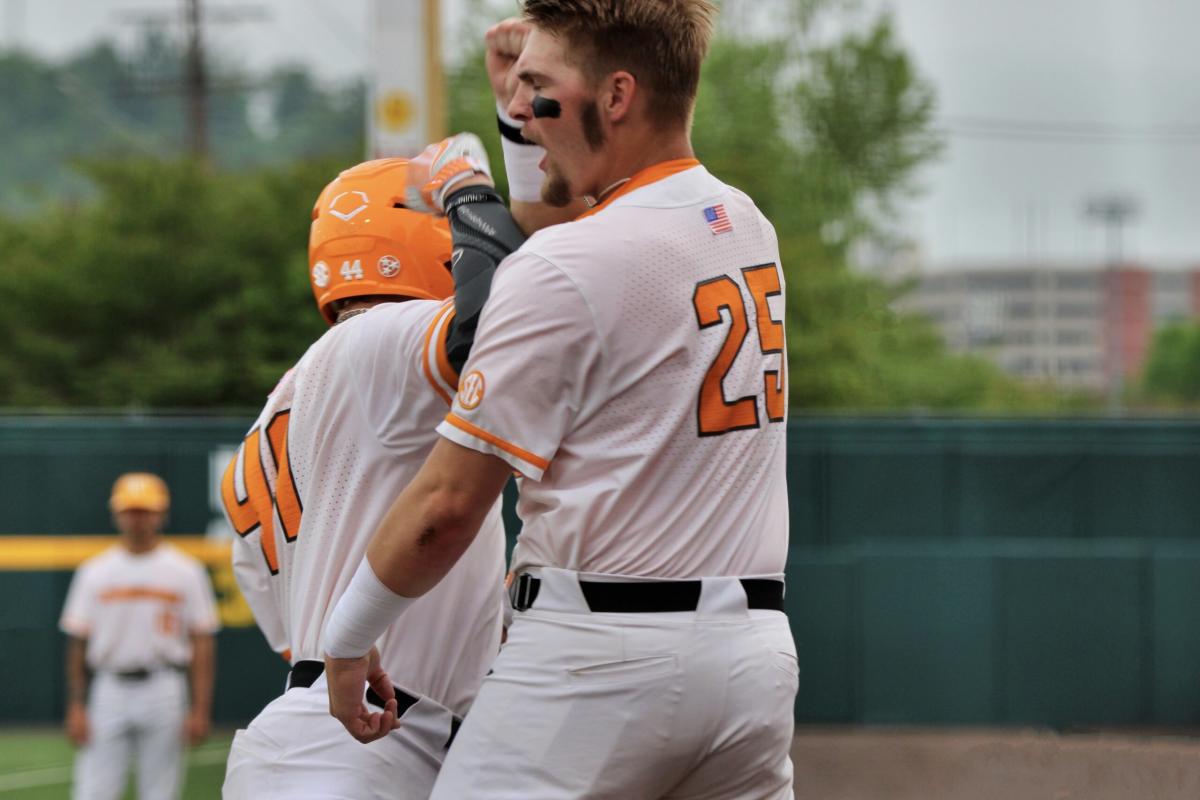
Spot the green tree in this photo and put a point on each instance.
(1172, 373)
(176, 287)
(103, 104)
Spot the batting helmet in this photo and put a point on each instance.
(365, 242)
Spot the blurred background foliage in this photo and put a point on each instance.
(130, 277)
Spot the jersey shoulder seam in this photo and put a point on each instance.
(587, 304)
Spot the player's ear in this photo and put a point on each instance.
(620, 90)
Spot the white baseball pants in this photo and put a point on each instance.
(295, 749)
(138, 719)
(685, 705)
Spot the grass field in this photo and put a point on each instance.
(36, 765)
(842, 763)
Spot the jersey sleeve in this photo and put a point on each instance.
(76, 617)
(254, 580)
(200, 612)
(535, 360)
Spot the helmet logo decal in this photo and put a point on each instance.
(389, 266)
(349, 209)
(320, 274)
(470, 392)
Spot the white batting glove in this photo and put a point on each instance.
(441, 167)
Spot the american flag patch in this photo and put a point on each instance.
(718, 220)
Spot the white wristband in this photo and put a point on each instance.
(363, 613)
(524, 175)
(521, 165)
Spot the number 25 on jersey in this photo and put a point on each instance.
(716, 415)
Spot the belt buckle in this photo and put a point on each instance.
(519, 593)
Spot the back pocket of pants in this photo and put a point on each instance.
(626, 671)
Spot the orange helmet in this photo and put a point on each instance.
(364, 241)
(139, 491)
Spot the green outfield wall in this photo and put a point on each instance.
(941, 571)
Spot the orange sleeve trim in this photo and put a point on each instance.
(493, 439)
(449, 374)
(433, 326)
(287, 655)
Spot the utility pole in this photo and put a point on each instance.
(195, 85)
(195, 81)
(1113, 212)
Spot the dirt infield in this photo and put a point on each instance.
(885, 764)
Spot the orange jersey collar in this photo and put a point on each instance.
(651, 174)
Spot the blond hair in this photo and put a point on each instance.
(660, 42)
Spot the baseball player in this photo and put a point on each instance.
(340, 436)
(141, 618)
(641, 394)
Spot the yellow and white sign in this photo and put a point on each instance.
(405, 97)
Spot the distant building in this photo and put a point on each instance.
(1069, 326)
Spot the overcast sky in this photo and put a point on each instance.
(1045, 104)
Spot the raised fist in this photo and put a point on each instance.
(504, 42)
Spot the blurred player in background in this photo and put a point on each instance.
(141, 618)
(341, 435)
(640, 392)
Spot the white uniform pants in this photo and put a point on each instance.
(138, 719)
(661, 705)
(295, 749)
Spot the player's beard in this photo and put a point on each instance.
(556, 192)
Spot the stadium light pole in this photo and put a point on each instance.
(1114, 211)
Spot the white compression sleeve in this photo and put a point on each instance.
(363, 613)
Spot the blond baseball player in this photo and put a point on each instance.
(340, 436)
(640, 392)
(140, 617)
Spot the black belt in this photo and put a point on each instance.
(305, 674)
(647, 596)
(143, 673)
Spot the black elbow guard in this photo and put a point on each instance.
(484, 233)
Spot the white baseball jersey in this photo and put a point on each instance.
(340, 437)
(630, 365)
(139, 611)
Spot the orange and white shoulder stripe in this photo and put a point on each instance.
(435, 362)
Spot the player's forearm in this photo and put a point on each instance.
(202, 670)
(429, 526)
(427, 529)
(76, 671)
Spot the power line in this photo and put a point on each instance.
(1048, 131)
(196, 84)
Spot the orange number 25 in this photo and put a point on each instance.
(715, 414)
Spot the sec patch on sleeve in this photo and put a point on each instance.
(470, 392)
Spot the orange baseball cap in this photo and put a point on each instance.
(141, 491)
